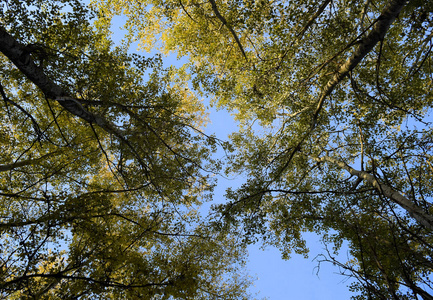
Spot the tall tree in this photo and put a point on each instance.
(334, 100)
(102, 168)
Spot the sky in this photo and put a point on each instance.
(297, 278)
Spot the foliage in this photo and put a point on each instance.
(334, 100)
(102, 168)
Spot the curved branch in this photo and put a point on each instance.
(313, 18)
(35, 124)
(377, 34)
(380, 28)
(414, 211)
(184, 9)
(27, 162)
(224, 21)
(20, 57)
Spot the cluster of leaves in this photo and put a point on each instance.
(103, 160)
(334, 100)
(102, 168)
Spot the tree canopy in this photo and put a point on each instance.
(334, 100)
(103, 166)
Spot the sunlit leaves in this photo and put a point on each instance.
(304, 97)
(92, 211)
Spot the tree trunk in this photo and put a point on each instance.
(417, 213)
(380, 28)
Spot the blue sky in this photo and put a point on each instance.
(296, 278)
(277, 279)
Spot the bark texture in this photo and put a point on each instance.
(414, 211)
(18, 54)
(377, 34)
(20, 57)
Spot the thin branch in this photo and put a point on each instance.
(35, 124)
(306, 27)
(229, 27)
(184, 9)
(27, 162)
(109, 163)
(367, 44)
(377, 34)
(313, 18)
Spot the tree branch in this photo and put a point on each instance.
(224, 21)
(414, 211)
(377, 34)
(27, 162)
(35, 124)
(313, 18)
(20, 57)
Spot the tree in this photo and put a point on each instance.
(102, 168)
(334, 100)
